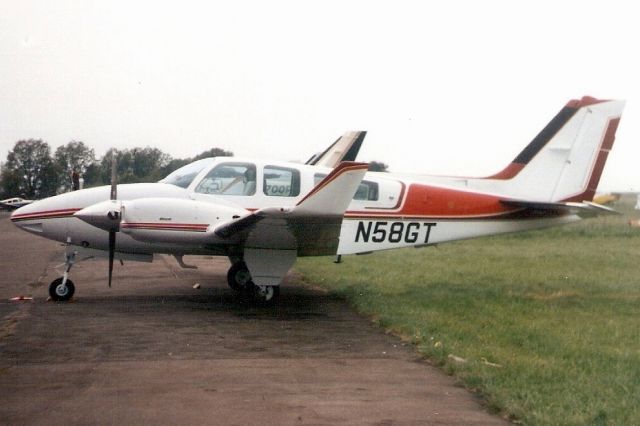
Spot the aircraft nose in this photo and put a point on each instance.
(21, 212)
(23, 218)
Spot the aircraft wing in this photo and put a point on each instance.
(345, 148)
(272, 238)
(583, 209)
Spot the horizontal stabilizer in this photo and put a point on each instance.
(583, 209)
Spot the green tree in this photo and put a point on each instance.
(93, 175)
(148, 163)
(30, 171)
(74, 156)
(124, 168)
(213, 152)
(134, 165)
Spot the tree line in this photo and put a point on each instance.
(32, 171)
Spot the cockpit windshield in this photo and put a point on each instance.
(185, 174)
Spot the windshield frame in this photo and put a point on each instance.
(184, 176)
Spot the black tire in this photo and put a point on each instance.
(239, 277)
(266, 296)
(59, 293)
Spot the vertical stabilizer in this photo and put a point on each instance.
(345, 148)
(565, 160)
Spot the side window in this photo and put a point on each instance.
(367, 190)
(229, 179)
(281, 181)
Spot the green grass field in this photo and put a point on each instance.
(545, 325)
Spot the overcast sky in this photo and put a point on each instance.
(447, 87)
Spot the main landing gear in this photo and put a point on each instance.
(62, 289)
(239, 279)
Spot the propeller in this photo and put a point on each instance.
(106, 214)
(113, 215)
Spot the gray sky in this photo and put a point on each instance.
(455, 87)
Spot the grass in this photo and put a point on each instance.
(545, 325)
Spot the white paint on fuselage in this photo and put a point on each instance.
(389, 186)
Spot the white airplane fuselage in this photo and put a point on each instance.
(384, 217)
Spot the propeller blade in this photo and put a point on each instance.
(112, 249)
(113, 215)
(114, 181)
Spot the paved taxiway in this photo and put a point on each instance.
(154, 350)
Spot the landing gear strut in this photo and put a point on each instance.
(62, 289)
(239, 279)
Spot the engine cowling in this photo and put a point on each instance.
(162, 220)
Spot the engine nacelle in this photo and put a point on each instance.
(170, 220)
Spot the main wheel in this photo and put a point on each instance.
(239, 277)
(266, 294)
(59, 292)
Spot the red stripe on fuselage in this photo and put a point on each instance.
(48, 214)
(188, 227)
(426, 201)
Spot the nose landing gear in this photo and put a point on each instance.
(62, 289)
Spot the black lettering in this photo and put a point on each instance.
(365, 233)
(429, 225)
(413, 230)
(379, 233)
(395, 232)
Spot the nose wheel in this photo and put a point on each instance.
(239, 279)
(61, 291)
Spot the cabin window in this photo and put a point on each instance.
(281, 181)
(229, 179)
(367, 190)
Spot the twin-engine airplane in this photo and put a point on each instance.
(262, 215)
